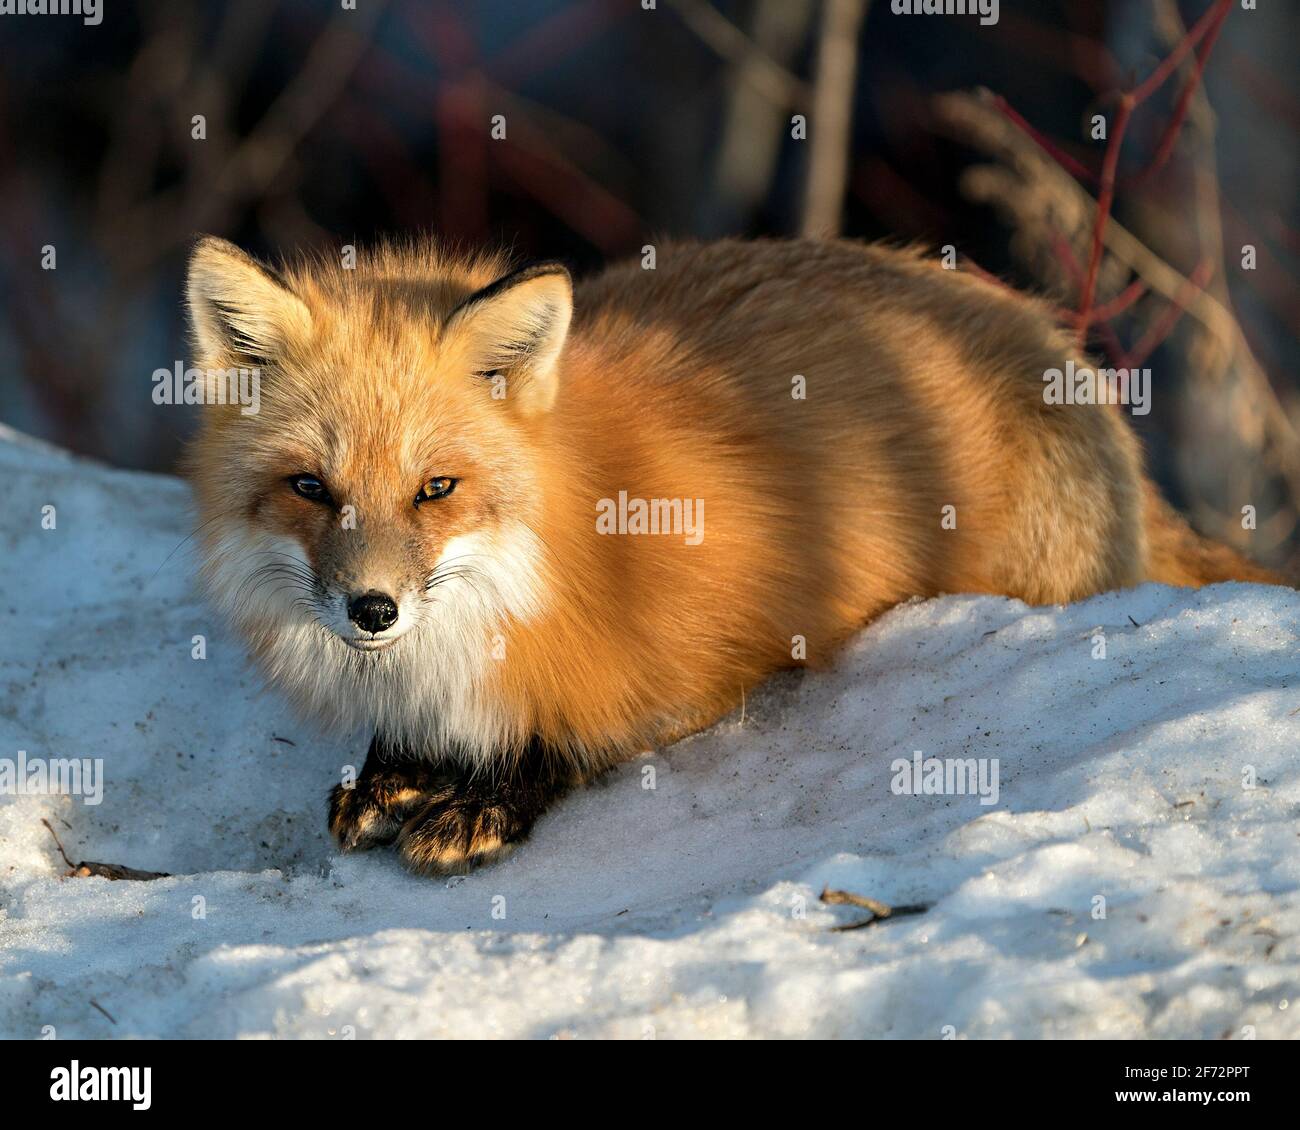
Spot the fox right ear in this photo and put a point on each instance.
(518, 325)
(240, 311)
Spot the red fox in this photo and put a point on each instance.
(524, 531)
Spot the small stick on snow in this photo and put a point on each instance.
(103, 1010)
(848, 898)
(87, 868)
(879, 910)
(58, 844)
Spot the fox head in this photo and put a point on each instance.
(378, 511)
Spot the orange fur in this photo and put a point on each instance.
(924, 390)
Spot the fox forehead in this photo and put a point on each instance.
(360, 409)
(359, 363)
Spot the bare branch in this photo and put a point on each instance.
(832, 116)
(732, 44)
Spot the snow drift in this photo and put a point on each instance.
(1138, 876)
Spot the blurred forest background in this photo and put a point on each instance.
(326, 126)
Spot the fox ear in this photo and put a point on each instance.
(240, 310)
(516, 327)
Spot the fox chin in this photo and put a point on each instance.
(468, 511)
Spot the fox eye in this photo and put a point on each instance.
(434, 489)
(309, 486)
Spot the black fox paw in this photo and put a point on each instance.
(460, 828)
(373, 810)
(445, 818)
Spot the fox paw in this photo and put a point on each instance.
(373, 810)
(459, 829)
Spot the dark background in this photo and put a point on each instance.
(327, 126)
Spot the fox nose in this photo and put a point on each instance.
(372, 612)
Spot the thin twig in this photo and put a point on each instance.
(730, 43)
(880, 911)
(832, 117)
(102, 1009)
(1163, 326)
(1174, 126)
(58, 844)
(1105, 199)
(89, 869)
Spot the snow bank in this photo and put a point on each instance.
(1126, 883)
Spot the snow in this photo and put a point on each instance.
(686, 909)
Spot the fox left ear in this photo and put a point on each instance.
(517, 327)
(240, 310)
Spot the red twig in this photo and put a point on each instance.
(1163, 326)
(1212, 18)
(1121, 302)
(1203, 34)
(1065, 253)
(1105, 198)
(1107, 310)
(1059, 155)
(1169, 137)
